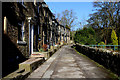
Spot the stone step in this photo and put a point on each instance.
(19, 74)
(31, 64)
(37, 54)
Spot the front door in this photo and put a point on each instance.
(35, 40)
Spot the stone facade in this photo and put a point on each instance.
(27, 27)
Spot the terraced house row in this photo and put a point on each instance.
(28, 27)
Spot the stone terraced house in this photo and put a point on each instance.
(26, 28)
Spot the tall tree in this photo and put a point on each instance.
(85, 36)
(105, 17)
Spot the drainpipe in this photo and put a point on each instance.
(32, 36)
(29, 19)
(43, 37)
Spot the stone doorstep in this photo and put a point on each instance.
(31, 64)
(46, 55)
(25, 69)
(41, 55)
(38, 56)
(18, 74)
(55, 49)
(51, 51)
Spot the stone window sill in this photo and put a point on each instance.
(21, 42)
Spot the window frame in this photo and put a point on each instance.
(21, 35)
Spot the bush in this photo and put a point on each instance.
(119, 40)
(41, 50)
(85, 36)
(101, 43)
(114, 38)
(109, 43)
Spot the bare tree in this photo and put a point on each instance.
(67, 18)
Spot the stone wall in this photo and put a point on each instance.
(12, 52)
(12, 32)
(107, 58)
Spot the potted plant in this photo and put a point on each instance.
(44, 47)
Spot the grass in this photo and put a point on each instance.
(112, 75)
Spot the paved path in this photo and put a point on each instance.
(67, 63)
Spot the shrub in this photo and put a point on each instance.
(114, 38)
(41, 50)
(85, 36)
(101, 43)
(119, 40)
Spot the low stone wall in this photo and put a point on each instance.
(107, 58)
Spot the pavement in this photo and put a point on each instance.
(67, 63)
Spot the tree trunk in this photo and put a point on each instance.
(105, 41)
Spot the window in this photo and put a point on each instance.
(21, 33)
(38, 9)
(22, 3)
(55, 24)
(38, 30)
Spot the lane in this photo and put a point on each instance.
(66, 66)
(67, 63)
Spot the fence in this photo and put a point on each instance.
(113, 47)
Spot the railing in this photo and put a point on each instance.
(113, 47)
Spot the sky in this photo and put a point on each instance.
(82, 9)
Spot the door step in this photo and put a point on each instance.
(37, 54)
